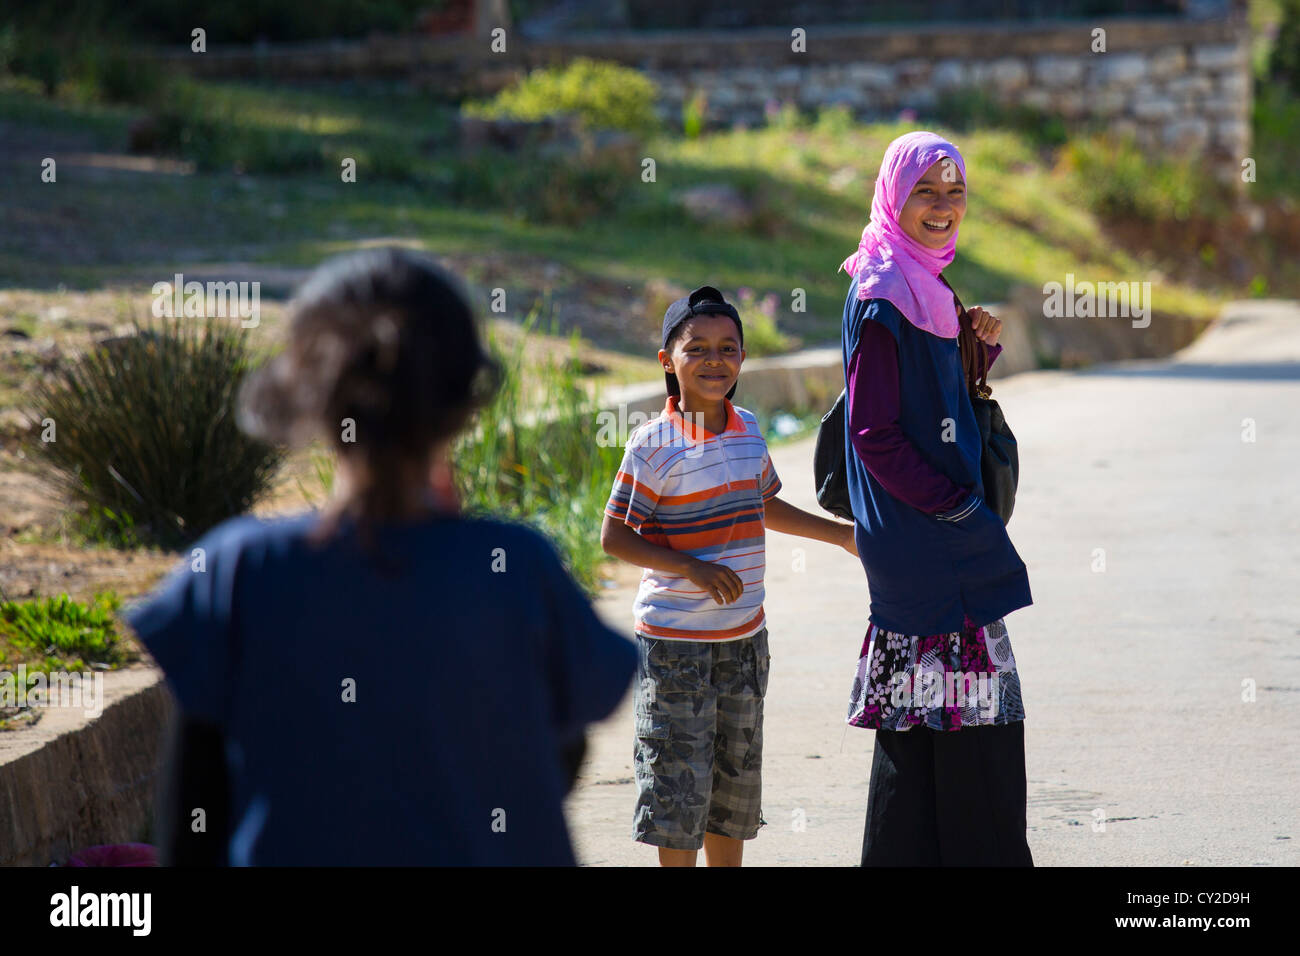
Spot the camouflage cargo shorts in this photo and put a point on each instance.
(699, 740)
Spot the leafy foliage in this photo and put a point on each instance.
(605, 95)
(58, 633)
(144, 435)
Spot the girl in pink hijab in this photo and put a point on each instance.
(936, 678)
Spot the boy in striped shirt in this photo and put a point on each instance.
(689, 505)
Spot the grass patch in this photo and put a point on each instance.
(60, 634)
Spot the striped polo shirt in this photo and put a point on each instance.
(689, 489)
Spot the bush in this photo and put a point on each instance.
(145, 438)
(113, 73)
(544, 187)
(604, 95)
(762, 337)
(551, 471)
(1115, 179)
(58, 633)
(39, 59)
(204, 125)
(1284, 65)
(1276, 116)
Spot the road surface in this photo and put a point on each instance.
(1160, 661)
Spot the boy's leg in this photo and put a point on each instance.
(673, 759)
(740, 673)
(669, 857)
(901, 825)
(981, 794)
(722, 851)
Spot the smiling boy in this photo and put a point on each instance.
(690, 504)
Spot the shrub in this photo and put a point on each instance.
(1276, 116)
(762, 337)
(1115, 179)
(144, 433)
(836, 120)
(57, 633)
(547, 470)
(1284, 65)
(694, 112)
(39, 59)
(604, 95)
(113, 73)
(544, 187)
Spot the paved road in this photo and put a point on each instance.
(1133, 675)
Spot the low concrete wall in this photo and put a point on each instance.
(71, 782)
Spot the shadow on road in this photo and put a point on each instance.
(1258, 371)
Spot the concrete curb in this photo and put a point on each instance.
(72, 781)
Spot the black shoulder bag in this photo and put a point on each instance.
(999, 456)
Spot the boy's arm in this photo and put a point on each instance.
(620, 541)
(785, 517)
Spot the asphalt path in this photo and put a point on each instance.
(1160, 661)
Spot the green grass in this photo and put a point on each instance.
(59, 634)
(1025, 223)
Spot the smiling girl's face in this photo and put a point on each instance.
(936, 205)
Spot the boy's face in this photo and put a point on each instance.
(705, 356)
(936, 206)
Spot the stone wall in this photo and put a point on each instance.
(1181, 87)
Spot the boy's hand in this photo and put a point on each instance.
(719, 580)
(850, 542)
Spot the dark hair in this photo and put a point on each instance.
(974, 353)
(670, 380)
(384, 338)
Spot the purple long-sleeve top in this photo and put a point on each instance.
(876, 434)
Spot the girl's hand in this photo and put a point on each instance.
(849, 542)
(987, 326)
(719, 580)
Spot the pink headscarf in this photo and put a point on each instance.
(889, 263)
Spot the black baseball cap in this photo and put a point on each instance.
(706, 300)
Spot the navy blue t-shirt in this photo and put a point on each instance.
(926, 573)
(471, 667)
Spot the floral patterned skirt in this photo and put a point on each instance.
(943, 682)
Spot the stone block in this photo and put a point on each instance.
(1233, 136)
(1166, 63)
(1009, 73)
(949, 75)
(1225, 57)
(1221, 107)
(1194, 84)
(915, 70)
(1186, 134)
(1056, 71)
(1069, 103)
(1236, 85)
(1037, 98)
(873, 76)
(1104, 102)
(1119, 69)
(1154, 108)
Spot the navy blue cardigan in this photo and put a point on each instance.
(927, 573)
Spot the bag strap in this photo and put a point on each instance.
(977, 374)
